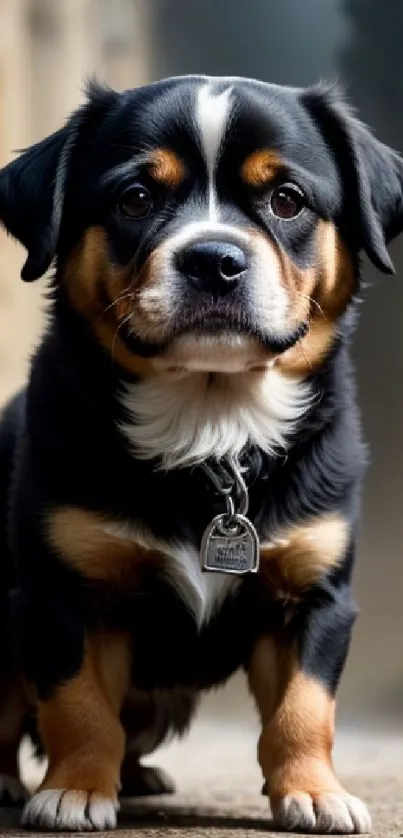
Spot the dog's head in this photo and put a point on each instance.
(207, 223)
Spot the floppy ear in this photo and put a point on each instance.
(30, 201)
(372, 175)
(32, 186)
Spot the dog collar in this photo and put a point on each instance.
(230, 543)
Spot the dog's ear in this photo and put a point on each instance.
(32, 186)
(372, 175)
(29, 204)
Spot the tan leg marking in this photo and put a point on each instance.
(79, 724)
(295, 747)
(84, 741)
(298, 722)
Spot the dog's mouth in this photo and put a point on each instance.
(217, 342)
(229, 325)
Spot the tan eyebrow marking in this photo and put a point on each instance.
(166, 167)
(261, 167)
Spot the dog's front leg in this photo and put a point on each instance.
(84, 741)
(294, 680)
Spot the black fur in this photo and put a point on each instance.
(59, 442)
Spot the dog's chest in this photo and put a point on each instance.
(188, 626)
(201, 593)
(187, 421)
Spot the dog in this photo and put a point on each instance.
(181, 477)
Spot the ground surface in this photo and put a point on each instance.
(219, 782)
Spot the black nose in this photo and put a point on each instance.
(213, 266)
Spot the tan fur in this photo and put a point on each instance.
(299, 284)
(81, 539)
(307, 355)
(337, 278)
(261, 167)
(306, 553)
(298, 724)
(103, 294)
(166, 167)
(151, 302)
(266, 675)
(317, 295)
(79, 725)
(112, 657)
(321, 296)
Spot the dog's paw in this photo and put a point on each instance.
(68, 809)
(12, 792)
(324, 813)
(142, 781)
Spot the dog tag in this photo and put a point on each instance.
(230, 548)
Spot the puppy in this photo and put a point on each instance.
(180, 480)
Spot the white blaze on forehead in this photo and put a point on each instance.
(212, 110)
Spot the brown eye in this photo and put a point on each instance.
(287, 201)
(136, 201)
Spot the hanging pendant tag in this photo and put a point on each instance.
(230, 545)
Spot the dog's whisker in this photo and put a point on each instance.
(314, 302)
(126, 295)
(115, 337)
(304, 354)
(321, 312)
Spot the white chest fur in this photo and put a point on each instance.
(186, 420)
(203, 592)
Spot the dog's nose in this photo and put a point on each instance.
(213, 266)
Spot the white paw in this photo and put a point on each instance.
(68, 809)
(325, 813)
(12, 792)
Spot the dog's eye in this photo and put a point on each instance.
(287, 201)
(136, 201)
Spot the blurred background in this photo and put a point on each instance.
(49, 47)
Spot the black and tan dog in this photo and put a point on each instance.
(205, 234)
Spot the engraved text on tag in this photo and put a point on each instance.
(230, 547)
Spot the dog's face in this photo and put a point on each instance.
(208, 204)
(207, 224)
